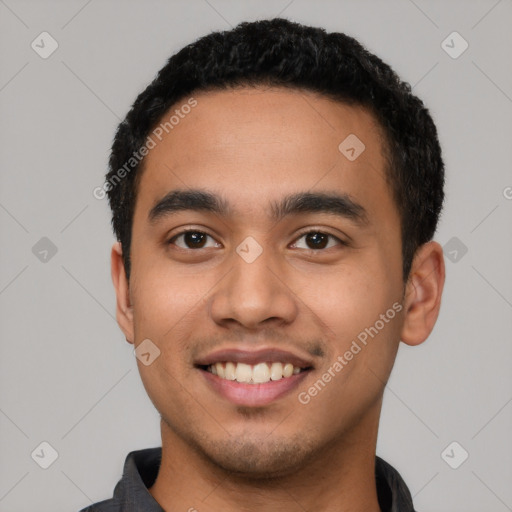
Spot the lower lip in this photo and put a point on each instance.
(253, 395)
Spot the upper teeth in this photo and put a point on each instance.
(253, 374)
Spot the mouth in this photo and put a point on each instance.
(253, 378)
(259, 373)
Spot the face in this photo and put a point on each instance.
(288, 280)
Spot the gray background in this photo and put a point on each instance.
(67, 375)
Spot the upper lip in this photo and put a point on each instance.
(253, 357)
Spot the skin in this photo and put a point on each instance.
(252, 146)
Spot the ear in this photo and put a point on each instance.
(124, 310)
(423, 293)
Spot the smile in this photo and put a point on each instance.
(253, 378)
(259, 373)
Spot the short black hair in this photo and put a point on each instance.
(282, 53)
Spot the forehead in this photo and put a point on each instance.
(253, 143)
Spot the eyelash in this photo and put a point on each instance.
(299, 236)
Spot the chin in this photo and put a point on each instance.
(258, 459)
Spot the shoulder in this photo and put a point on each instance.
(102, 506)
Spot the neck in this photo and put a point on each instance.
(339, 477)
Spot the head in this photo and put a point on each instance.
(244, 145)
(281, 53)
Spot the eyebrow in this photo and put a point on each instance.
(341, 205)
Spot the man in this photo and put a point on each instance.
(275, 191)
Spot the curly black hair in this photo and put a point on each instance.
(282, 53)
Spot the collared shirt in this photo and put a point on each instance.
(141, 469)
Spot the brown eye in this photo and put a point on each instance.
(191, 239)
(315, 240)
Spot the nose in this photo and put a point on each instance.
(254, 294)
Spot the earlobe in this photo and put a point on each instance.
(124, 310)
(423, 293)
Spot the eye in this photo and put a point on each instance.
(192, 239)
(318, 240)
(195, 239)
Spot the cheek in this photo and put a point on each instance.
(165, 309)
(361, 344)
(164, 301)
(347, 305)
(345, 299)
